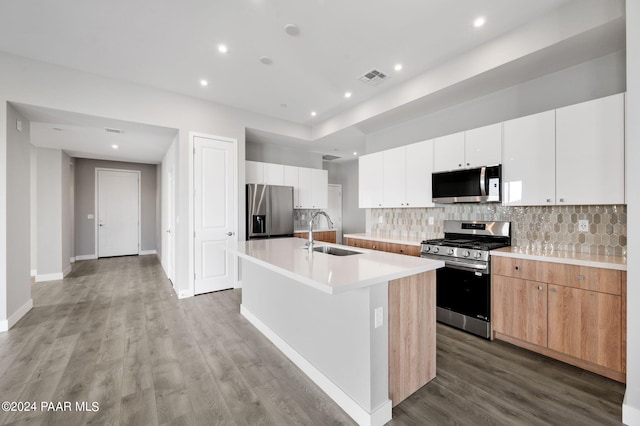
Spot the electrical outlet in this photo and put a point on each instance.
(90, 216)
(583, 225)
(378, 319)
(431, 221)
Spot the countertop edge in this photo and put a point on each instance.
(373, 237)
(298, 231)
(557, 259)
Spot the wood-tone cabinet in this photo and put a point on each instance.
(406, 249)
(569, 312)
(310, 186)
(325, 236)
(473, 148)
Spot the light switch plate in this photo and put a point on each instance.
(90, 216)
(378, 319)
(19, 125)
(431, 221)
(583, 225)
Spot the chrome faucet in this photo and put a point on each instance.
(329, 222)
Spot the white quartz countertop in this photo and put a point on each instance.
(329, 273)
(581, 259)
(410, 241)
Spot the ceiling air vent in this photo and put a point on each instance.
(112, 130)
(327, 157)
(373, 77)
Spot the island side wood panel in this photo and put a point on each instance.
(412, 334)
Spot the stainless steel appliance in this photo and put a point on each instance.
(269, 211)
(463, 286)
(478, 185)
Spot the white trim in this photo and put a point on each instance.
(379, 416)
(86, 257)
(49, 277)
(72, 260)
(66, 271)
(96, 214)
(147, 252)
(630, 415)
(34, 272)
(238, 283)
(5, 325)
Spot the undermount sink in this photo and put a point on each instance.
(336, 251)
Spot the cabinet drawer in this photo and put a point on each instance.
(582, 277)
(517, 268)
(403, 249)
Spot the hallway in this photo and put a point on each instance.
(114, 333)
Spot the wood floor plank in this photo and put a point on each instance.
(115, 332)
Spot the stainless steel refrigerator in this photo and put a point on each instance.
(269, 211)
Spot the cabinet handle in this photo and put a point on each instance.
(401, 251)
(407, 203)
(467, 164)
(539, 287)
(581, 277)
(562, 200)
(517, 268)
(374, 247)
(548, 200)
(379, 205)
(460, 165)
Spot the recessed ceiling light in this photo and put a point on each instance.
(347, 95)
(292, 29)
(114, 146)
(222, 48)
(398, 67)
(266, 60)
(204, 83)
(313, 113)
(355, 153)
(479, 22)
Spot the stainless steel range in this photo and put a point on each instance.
(464, 284)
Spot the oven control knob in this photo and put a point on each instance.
(478, 255)
(427, 249)
(450, 251)
(466, 253)
(436, 249)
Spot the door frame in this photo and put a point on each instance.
(95, 215)
(192, 212)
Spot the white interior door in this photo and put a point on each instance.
(214, 223)
(118, 212)
(335, 209)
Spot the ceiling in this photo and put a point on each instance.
(172, 45)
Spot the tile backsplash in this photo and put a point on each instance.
(301, 219)
(551, 228)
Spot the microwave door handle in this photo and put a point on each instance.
(483, 189)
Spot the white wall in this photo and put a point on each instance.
(33, 164)
(631, 407)
(590, 80)
(270, 153)
(49, 213)
(17, 290)
(46, 85)
(66, 220)
(168, 169)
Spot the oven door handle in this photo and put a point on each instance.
(483, 269)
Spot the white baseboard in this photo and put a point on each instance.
(185, 294)
(238, 284)
(34, 272)
(66, 271)
(630, 415)
(72, 260)
(5, 325)
(147, 252)
(86, 257)
(49, 277)
(379, 416)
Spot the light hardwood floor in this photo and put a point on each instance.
(115, 333)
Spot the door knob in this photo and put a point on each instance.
(100, 225)
(168, 231)
(230, 233)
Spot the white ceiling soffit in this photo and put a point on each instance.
(172, 45)
(86, 136)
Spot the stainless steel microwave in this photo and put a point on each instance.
(478, 185)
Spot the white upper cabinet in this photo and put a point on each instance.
(291, 179)
(590, 152)
(273, 174)
(448, 152)
(394, 188)
(370, 180)
(319, 189)
(418, 172)
(483, 146)
(473, 148)
(254, 172)
(528, 169)
(305, 186)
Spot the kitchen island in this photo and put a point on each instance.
(361, 326)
